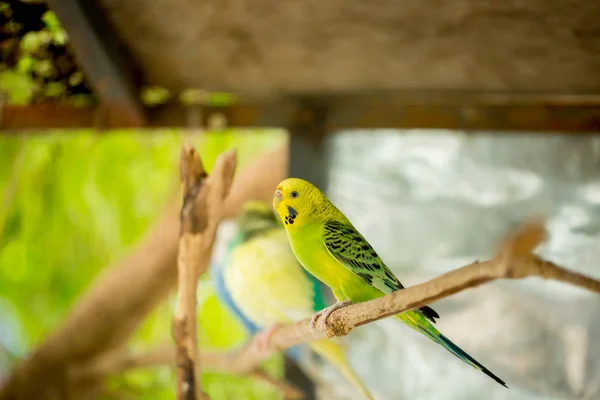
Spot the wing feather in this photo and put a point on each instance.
(353, 251)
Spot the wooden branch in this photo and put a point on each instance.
(109, 312)
(514, 261)
(257, 180)
(289, 391)
(116, 362)
(193, 224)
(104, 317)
(203, 197)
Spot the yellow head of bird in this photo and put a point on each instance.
(295, 200)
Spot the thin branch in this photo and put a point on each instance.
(108, 313)
(514, 261)
(289, 391)
(116, 362)
(203, 197)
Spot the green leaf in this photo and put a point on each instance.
(222, 99)
(19, 86)
(33, 40)
(54, 89)
(44, 68)
(51, 21)
(25, 64)
(155, 95)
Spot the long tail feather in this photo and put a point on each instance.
(463, 355)
(421, 325)
(333, 353)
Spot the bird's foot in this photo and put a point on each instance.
(263, 338)
(324, 314)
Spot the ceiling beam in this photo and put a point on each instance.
(103, 59)
(475, 112)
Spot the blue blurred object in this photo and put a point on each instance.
(225, 297)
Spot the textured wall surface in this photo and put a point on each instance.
(432, 201)
(307, 45)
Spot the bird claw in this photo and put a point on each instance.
(324, 314)
(313, 321)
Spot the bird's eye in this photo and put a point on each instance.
(294, 194)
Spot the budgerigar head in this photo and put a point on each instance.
(256, 216)
(297, 200)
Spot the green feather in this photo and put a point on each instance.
(353, 251)
(318, 298)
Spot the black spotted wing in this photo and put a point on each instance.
(353, 251)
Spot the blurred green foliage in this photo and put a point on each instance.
(37, 64)
(74, 202)
(34, 47)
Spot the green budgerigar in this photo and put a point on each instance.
(329, 247)
(269, 287)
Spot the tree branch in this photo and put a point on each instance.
(514, 261)
(203, 197)
(193, 223)
(257, 180)
(104, 317)
(116, 362)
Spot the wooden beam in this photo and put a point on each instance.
(474, 112)
(103, 59)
